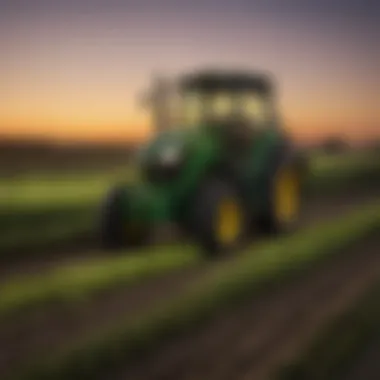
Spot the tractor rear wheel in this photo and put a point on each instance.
(116, 230)
(218, 220)
(285, 200)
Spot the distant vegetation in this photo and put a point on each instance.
(335, 145)
(21, 157)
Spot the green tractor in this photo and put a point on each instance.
(223, 169)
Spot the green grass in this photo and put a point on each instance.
(35, 233)
(230, 283)
(336, 172)
(33, 192)
(36, 212)
(77, 281)
(43, 229)
(336, 348)
(349, 161)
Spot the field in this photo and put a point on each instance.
(44, 209)
(68, 310)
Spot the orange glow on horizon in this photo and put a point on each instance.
(136, 133)
(106, 117)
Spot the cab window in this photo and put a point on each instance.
(254, 109)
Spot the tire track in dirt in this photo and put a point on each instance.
(42, 331)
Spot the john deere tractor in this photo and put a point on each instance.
(225, 168)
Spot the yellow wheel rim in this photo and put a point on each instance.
(228, 221)
(287, 196)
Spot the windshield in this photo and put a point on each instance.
(193, 108)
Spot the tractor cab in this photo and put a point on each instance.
(219, 98)
(236, 105)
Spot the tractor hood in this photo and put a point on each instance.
(174, 156)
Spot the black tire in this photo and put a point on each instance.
(203, 214)
(114, 222)
(269, 223)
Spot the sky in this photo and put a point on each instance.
(73, 69)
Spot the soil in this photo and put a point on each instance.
(367, 367)
(257, 339)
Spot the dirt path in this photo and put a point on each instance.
(40, 332)
(249, 343)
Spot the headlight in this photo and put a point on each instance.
(170, 155)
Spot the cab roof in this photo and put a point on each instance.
(229, 80)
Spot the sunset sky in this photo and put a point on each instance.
(71, 69)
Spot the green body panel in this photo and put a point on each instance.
(168, 201)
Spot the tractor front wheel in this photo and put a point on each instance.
(218, 221)
(116, 229)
